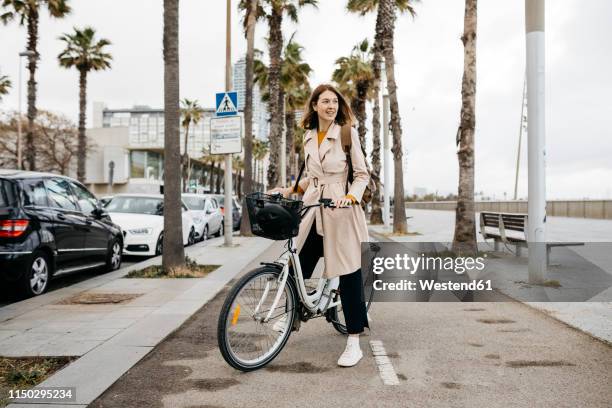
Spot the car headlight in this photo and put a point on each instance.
(141, 231)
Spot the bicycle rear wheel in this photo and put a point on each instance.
(245, 341)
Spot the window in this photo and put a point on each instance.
(60, 195)
(137, 164)
(194, 203)
(34, 193)
(7, 194)
(153, 165)
(136, 205)
(86, 200)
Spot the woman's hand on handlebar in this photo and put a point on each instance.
(343, 202)
(285, 192)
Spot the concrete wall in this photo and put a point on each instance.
(598, 209)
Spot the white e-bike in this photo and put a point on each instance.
(268, 303)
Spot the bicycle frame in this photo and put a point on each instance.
(311, 302)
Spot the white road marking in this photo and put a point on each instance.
(385, 368)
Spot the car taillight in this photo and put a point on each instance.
(12, 228)
(222, 210)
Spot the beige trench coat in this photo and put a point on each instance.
(343, 229)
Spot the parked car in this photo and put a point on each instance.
(141, 217)
(237, 209)
(51, 225)
(207, 215)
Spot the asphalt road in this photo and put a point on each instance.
(501, 354)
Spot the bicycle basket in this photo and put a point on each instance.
(273, 217)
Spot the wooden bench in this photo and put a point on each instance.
(512, 229)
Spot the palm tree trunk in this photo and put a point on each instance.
(387, 8)
(464, 239)
(185, 161)
(218, 185)
(275, 107)
(376, 214)
(32, 62)
(289, 136)
(82, 145)
(245, 226)
(173, 252)
(360, 110)
(212, 175)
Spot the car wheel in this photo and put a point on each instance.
(159, 247)
(36, 278)
(191, 239)
(114, 257)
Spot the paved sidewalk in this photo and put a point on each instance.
(592, 316)
(110, 339)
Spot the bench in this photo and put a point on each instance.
(512, 229)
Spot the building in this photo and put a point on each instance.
(261, 127)
(132, 142)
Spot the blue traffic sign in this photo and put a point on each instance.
(227, 104)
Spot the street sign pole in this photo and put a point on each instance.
(229, 207)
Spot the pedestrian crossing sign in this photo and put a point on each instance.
(227, 104)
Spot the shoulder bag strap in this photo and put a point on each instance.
(345, 137)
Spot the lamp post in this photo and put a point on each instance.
(536, 235)
(28, 54)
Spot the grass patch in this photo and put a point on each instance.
(99, 298)
(26, 372)
(549, 283)
(191, 270)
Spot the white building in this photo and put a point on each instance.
(261, 127)
(133, 140)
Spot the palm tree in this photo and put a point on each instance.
(192, 113)
(465, 228)
(250, 19)
(238, 166)
(260, 150)
(5, 85)
(86, 53)
(364, 7)
(354, 77)
(296, 91)
(173, 252)
(28, 12)
(295, 88)
(274, 13)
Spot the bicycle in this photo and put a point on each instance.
(268, 303)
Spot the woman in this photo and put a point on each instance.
(335, 234)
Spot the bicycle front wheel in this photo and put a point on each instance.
(246, 342)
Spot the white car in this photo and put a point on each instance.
(140, 216)
(207, 215)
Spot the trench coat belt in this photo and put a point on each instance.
(328, 179)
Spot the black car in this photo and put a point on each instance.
(51, 225)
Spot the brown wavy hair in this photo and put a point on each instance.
(310, 120)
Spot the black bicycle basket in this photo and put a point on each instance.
(273, 216)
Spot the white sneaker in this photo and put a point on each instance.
(351, 356)
(279, 325)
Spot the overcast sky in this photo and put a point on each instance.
(429, 66)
